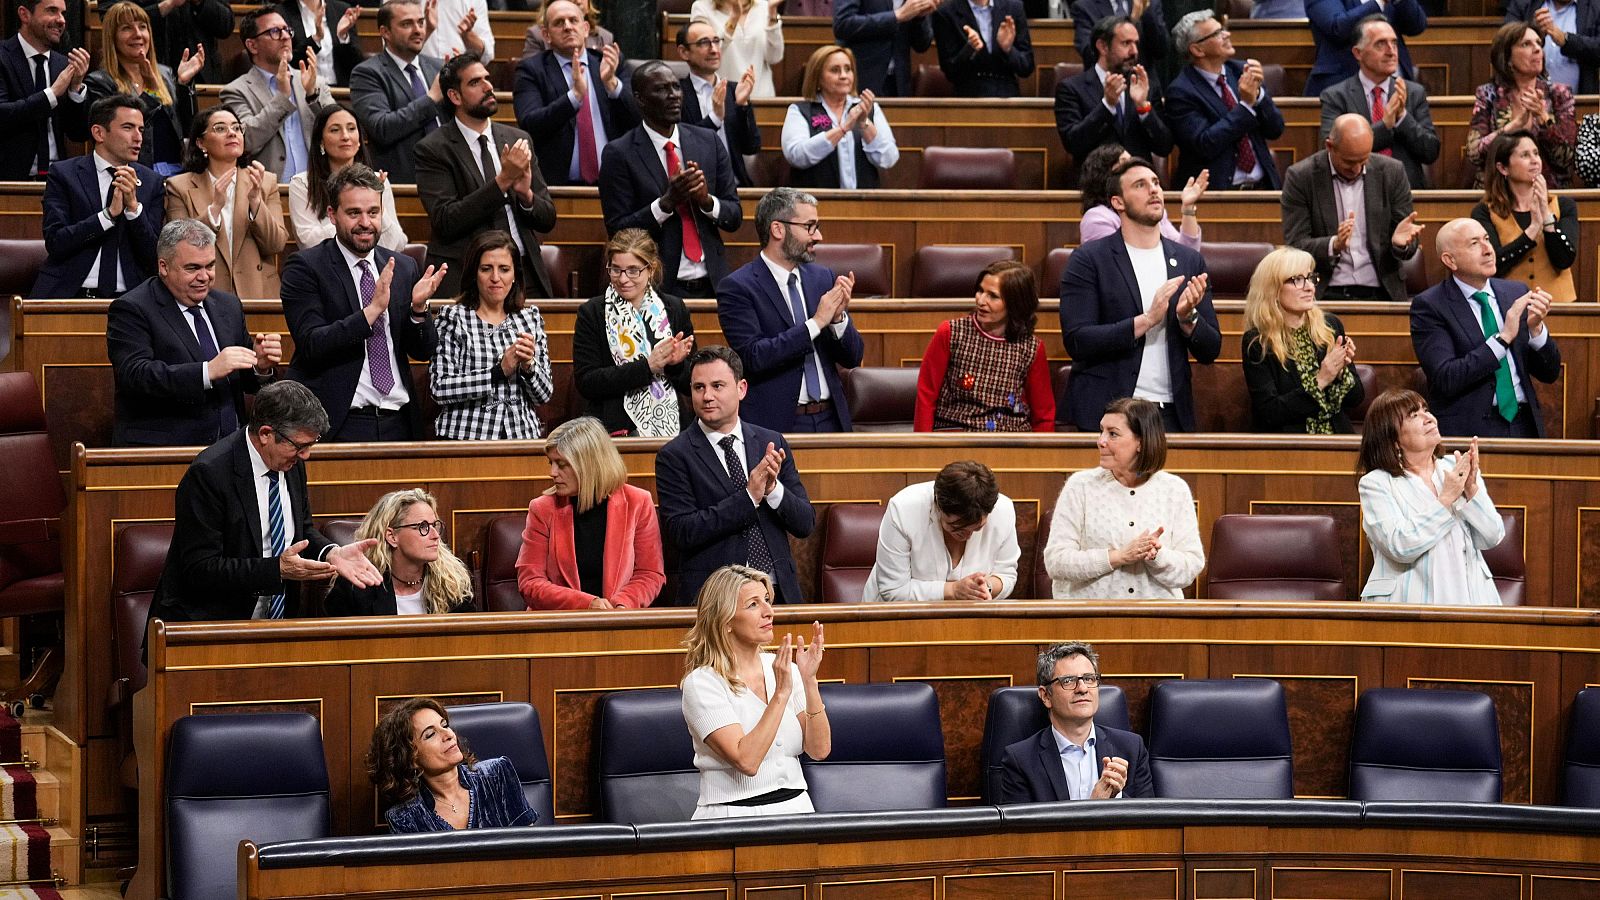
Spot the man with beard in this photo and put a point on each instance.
(1126, 344)
(473, 175)
(788, 320)
(278, 98)
(676, 182)
(1114, 100)
(396, 92)
(41, 92)
(350, 347)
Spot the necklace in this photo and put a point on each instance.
(416, 583)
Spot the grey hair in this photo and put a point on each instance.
(1057, 652)
(1361, 29)
(777, 205)
(1183, 32)
(288, 407)
(193, 232)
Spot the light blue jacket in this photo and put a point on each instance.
(1405, 522)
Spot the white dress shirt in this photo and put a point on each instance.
(366, 394)
(308, 21)
(183, 313)
(1078, 764)
(757, 41)
(446, 42)
(702, 93)
(774, 496)
(29, 51)
(688, 269)
(803, 149)
(913, 562)
(103, 179)
(471, 136)
(780, 275)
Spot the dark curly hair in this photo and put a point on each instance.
(392, 758)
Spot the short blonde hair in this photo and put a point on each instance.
(811, 84)
(1261, 309)
(707, 641)
(594, 459)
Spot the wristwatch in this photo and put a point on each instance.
(1501, 341)
(1192, 318)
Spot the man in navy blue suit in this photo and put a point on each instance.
(675, 181)
(1221, 116)
(882, 33)
(352, 345)
(1335, 27)
(1134, 307)
(41, 91)
(1074, 757)
(984, 46)
(714, 102)
(570, 99)
(1113, 100)
(728, 489)
(102, 211)
(787, 318)
(1482, 341)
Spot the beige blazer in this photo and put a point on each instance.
(247, 261)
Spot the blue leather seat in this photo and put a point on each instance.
(1441, 746)
(888, 750)
(510, 730)
(260, 777)
(1221, 740)
(645, 757)
(1580, 776)
(1015, 713)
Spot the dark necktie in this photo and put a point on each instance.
(227, 419)
(1247, 153)
(691, 233)
(797, 305)
(418, 92)
(486, 159)
(588, 151)
(756, 554)
(110, 245)
(279, 539)
(378, 363)
(42, 149)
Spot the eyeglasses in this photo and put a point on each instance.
(225, 128)
(424, 528)
(1300, 281)
(298, 447)
(276, 32)
(706, 43)
(1068, 682)
(1213, 34)
(631, 273)
(811, 227)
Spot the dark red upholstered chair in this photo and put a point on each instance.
(930, 81)
(31, 581)
(141, 553)
(419, 253)
(951, 270)
(880, 398)
(673, 7)
(1507, 563)
(1275, 558)
(20, 259)
(1272, 78)
(968, 168)
(1063, 71)
(866, 260)
(1369, 388)
(1040, 585)
(560, 265)
(1055, 263)
(1415, 273)
(1060, 379)
(849, 548)
(340, 531)
(501, 542)
(1231, 264)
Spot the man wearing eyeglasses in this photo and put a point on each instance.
(714, 102)
(1074, 757)
(1219, 110)
(276, 102)
(242, 538)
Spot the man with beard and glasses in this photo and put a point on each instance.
(41, 92)
(1126, 344)
(350, 347)
(788, 320)
(1114, 100)
(474, 175)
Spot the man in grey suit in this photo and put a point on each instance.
(1402, 126)
(276, 103)
(396, 92)
(1351, 210)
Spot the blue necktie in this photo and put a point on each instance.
(294, 137)
(227, 419)
(279, 544)
(813, 377)
(418, 92)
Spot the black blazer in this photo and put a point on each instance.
(1278, 400)
(345, 599)
(394, 120)
(744, 138)
(1084, 123)
(215, 569)
(330, 330)
(1031, 768)
(543, 110)
(705, 517)
(1414, 141)
(460, 204)
(169, 128)
(1311, 216)
(869, 29)
(632, 179)
(345, 56)
(604, 383)
(1087, 13)
(987, 72)
(27, 113)
(161, 399)
(1583, 42)
(73, 236)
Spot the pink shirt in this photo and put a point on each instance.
(1103, 220)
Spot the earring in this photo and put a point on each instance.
(322, 151)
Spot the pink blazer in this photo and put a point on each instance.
(547, 565)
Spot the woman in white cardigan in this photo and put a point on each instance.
(1428, 516)
(952, 538)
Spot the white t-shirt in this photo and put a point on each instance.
(709, 703)
(409, 604)
(1155, 374)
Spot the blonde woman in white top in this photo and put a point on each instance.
(1127, 530)
(339, 142)
(752, 37)
(750, 714)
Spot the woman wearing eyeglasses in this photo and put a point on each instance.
(1298, 363)
(629, 344)
(420, 574)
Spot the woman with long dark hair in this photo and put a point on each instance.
(339, 141)
(428, 780)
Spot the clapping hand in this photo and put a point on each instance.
(519, 354)
(1139, 89)
(1347, 230)
(1113, 777)
(254, 193)
(1006, 34)
(294, 567)
(808, 656)
(71, 77)
(1396, 107)
(1194, 190)
(1338, 357)
(1114, 86)
(974, 40)
(670, 352)
(1144, 546)
(189, 65)
(1473, 471)
(422, 292)
(1190, 299)
(308, 72)
(1538, 308)
(765, 473)
(1406, 232)
(1250, 82)
(610, 59)
(219, 193)
(346, 22)
(268, 348)
(832, 305)
(1455, 481)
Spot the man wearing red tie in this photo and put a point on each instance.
(676, 182)
(1402, 126)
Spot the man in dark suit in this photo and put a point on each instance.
(179, 25)
(1134, 307)
(388, 93)
(728, 489)
(1221, 116)
(474, 174)
(570, 99)
(327, 28)
(1145, 14)
(711, 101)
(984, 46)
(1334, 30)
(352, 344)
(1074, 757)
(1482, 341)
(41, 92)
(882, 34)
(1402, 124)
(180, 353)
(1113, 100)
(788, 318)
(102, 211)
(675, 181)
(1351, 210)
(1571, 30)
(242, 539)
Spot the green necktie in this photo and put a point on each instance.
(1505, 396)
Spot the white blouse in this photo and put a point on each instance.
(709, 703)
(1096, 513)
(803, 149)
(311, 227)
(753, 43)
(913, 562)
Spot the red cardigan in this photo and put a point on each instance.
(547, 565)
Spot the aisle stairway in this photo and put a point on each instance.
(39, 845)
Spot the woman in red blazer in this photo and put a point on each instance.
(592, 541)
